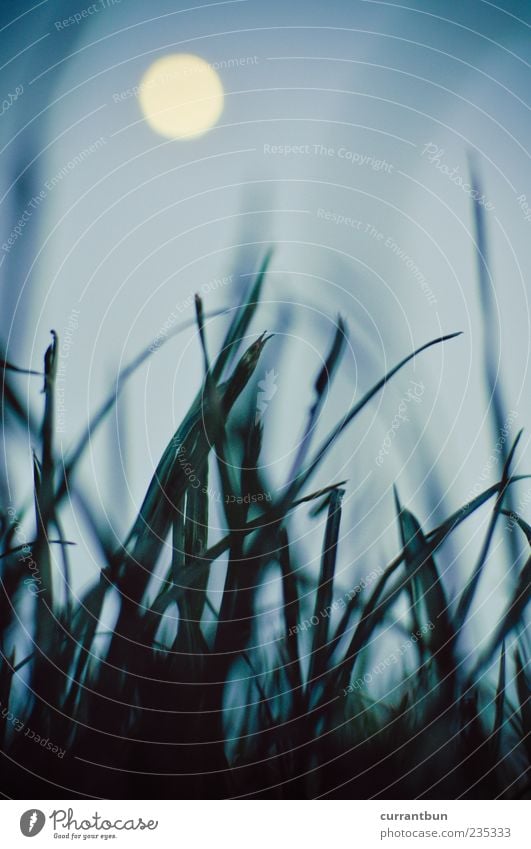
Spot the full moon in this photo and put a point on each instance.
(181, 96)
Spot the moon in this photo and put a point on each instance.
(181, 96)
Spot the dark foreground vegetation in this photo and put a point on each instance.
(206, 712)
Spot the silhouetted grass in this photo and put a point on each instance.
(209, 712)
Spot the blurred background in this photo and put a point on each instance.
(342, 135)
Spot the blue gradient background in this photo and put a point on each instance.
(142, 222)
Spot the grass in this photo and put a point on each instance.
(201, 710)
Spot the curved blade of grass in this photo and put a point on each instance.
(272, 516)
(103, 411)
(165, 493)
(32, 545)
(302, 478)
(241, 322)
(322, 383)
(470, 507)
(524, 527)
(467, 596)
(512, 616)
(435, 537)
(490, 341)
(170, 481)
(10, 402)
(375, 609)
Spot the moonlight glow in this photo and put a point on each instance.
(181, 96)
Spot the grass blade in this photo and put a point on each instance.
(524, 697)
(516, 519)
(430, 594)
(302, 478)
(241, 322)
(499, 705)
(325, 586)
(467, 596)
(291, 612)
(512, 617)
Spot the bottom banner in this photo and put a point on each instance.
(238, 823)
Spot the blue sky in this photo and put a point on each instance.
(344, 142)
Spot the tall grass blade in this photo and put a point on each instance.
(491, 344)
(241, 322)
(302, 478)
(291, 612)
(323, 601)
(499, 705)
